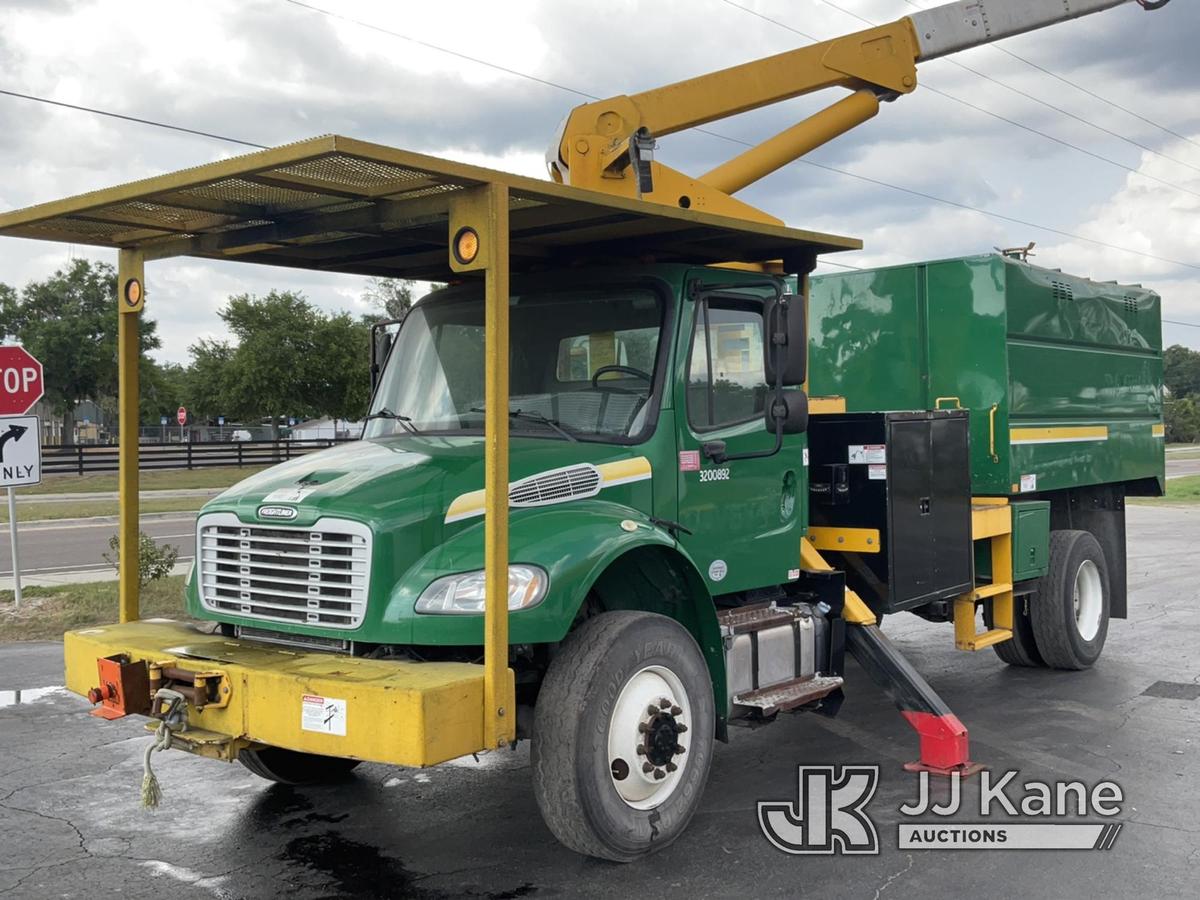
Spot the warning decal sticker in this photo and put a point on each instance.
(866, 454)
(323, 714)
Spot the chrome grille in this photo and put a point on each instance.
(301, 576)
(555, 486)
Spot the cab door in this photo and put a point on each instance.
(744, 515)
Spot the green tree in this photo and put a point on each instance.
(205, 390)
(272, 368)
(1182, 420)
(391, 297)
(290, 359)
(69, 322)
(344, 390)
(1181, 371)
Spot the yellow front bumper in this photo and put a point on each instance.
(404, 713)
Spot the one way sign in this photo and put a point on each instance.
(20, 451)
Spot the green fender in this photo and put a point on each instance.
(589, 547)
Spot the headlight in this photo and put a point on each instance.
(463, 594)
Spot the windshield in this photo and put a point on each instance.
(581, 366)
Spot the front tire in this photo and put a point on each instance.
(1070, 613)
(623, 735)
(292, 767)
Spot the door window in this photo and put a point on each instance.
(726, 379)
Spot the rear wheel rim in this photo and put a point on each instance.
(1088, 600)
(648, 737)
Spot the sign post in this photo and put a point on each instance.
(21, 387)
(181, 418)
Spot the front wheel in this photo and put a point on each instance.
(1070, 613)
(293, 767)
(623, 735)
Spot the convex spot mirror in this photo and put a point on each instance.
(790, 408)
(785, 341)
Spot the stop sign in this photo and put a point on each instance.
(20, 381)
(181, 415)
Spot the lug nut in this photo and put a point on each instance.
(680, 728)
(676, 710)
(640, 750)
(647, 767)
(643, 727)
(652, 710)
(671, 767)
(679, 748)
(659, 774)
(664, 703)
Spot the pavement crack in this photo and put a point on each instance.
(883, 887)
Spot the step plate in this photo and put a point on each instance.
(789, 695)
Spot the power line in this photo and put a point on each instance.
(1088, 91)
(136, 119)
(1058, 109)
(440, 49)
(807, 162)
(987, 112)
(1187, 324)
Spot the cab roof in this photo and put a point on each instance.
(336, 204)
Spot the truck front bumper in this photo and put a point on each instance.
(388, 711)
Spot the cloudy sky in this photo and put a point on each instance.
(1122, 203)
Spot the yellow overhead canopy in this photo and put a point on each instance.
(341, 205)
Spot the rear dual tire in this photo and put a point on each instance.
(1071, 612)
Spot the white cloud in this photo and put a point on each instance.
(270, 71)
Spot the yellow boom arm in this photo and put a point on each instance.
(606, 145)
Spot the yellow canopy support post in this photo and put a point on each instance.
(130, 299)
(500, 723)
(479, 241)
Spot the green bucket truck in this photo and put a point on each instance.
(621, 489)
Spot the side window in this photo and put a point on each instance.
(726, 378)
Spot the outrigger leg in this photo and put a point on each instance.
(944, 743)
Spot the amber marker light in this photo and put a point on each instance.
(133, 292)
(466, 245)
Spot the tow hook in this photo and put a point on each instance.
(171, 708)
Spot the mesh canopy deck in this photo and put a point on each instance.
(341, 205)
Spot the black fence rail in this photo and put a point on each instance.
(84, 459)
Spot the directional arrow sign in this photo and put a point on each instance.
(20, 451)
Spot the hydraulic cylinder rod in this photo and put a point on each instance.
(775, 153)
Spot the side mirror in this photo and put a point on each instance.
(785, 340)
(382, 339)
(790, 409)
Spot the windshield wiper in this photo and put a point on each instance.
(386, 413)
(537, 417)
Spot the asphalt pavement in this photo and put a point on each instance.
(72, 827)
(55, 551)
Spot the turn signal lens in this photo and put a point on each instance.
(466, 245)
(463, 594)
(133, 292)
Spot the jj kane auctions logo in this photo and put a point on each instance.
(829, 815)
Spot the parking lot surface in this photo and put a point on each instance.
(72, 826)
